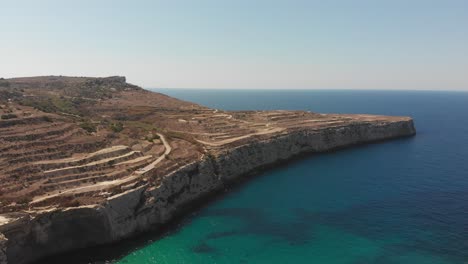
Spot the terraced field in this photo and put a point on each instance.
(70, 141)
(43, 156)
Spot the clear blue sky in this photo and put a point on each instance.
(366, 44)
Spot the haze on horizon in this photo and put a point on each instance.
(362, 44)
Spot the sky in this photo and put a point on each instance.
(278, 44)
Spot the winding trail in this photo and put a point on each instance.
(106, 184)
(163, 156)
(230, 140)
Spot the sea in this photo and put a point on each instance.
(400, 201)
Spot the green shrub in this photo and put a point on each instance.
(9, 116)
(117, 127)
(54, 104)
(4, 83)
(151, 138)
(24, 200)
(211, 156)
(47, 119)
(88, 126)
(121, 117)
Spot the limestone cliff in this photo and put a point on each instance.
(3, 241)
(143, 207)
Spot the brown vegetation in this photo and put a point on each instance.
(71, 141)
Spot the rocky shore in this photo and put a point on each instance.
(25, 237)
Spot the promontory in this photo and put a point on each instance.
(90, 161)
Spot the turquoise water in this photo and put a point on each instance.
(402, 201)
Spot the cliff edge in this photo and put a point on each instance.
(89, 161)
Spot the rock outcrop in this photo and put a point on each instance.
(147, 206)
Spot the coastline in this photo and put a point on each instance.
(142, 208)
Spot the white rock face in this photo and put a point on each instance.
(3, 257)
(146, 207)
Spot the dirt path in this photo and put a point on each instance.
(106, 184)
(151, 166)
(230, 140)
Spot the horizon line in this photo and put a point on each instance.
(240, 88)
(312, 89)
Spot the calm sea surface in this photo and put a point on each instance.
(402, 201)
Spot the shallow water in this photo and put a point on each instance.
(402, 201)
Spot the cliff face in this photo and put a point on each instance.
(3, 257)
(145, 207)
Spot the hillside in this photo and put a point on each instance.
(77, 142)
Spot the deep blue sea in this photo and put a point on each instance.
(401, 201)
